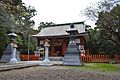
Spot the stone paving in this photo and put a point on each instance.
(10, 66)
(23, 64)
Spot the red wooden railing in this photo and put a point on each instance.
(24, 57)
(84, 58)
(99, 58)
(117, 58)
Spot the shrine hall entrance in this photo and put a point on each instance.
(57, 47)
(58, 50)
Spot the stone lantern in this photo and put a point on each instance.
(10, 54)
(46, 61)
(72, 55)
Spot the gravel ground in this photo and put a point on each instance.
(56, 73)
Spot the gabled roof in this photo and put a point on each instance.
(60, 29)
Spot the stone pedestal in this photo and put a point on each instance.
(46, 60)
(72, 56)
(13, 59)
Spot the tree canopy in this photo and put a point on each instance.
(14, 15)
(44, 24)
(106, 36)
(109, 24)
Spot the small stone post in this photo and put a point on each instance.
(46, 61)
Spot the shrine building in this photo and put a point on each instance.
(59, 38)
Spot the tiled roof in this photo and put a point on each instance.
(58, 30)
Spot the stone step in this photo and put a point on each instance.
(72, 63)
(68, 60)
(10, 66)
(71, 57)
(54, 58)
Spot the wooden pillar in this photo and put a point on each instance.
(37, 43)
(87, 52)
(82, 42)
(64, 47)
(52, 49)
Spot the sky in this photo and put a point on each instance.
(59, 11)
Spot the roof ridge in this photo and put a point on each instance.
(64, 24)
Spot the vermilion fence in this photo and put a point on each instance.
(117, 58)
(100, 58)
(95, 58)
(84, 58)
(30, 57)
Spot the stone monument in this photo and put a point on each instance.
(11, 54)
(46, 61)
(72, 55)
